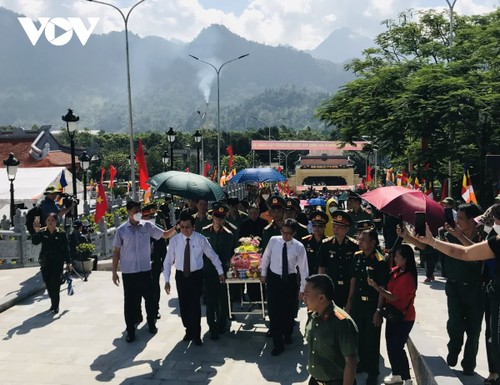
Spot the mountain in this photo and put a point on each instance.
(38, 83)
(341, 46)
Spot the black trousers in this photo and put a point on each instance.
(135, 287)
(396, 335)
(51, 274)
(282, 305)
(156, 269)
(189, 291)
(492, 315)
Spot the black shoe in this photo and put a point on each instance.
(153, 329)
(130, 337)
(288, 340)
(451, 359)
(56, 310)
(187, 337)
(198, 342)
(277, 351)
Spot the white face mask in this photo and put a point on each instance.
(332, 209)
(152, 221)
(496, 228)
(137, 217)
(265, 196)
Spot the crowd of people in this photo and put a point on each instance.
(328, 258)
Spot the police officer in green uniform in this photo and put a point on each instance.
(292, 210)
(276, 206)
(201, 217)
(356, 212)
(312, 242)
(336, 256)
(331, 334)
(364, 302)
(222, 241)
(464, 291)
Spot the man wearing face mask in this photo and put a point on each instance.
(132, 250)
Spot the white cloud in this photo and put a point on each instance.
(300, 23)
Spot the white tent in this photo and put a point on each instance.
(30, 183)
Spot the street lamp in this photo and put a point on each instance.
(164, 160)
(85, 164)
(171, 138)
(217, 71)
(11, 164)
(197, 138)
(269, 126)
(71, 127)
(130, 121)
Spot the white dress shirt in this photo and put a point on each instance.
(297, 257)
(199, 246)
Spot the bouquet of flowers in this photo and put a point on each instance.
(246, 261)
(248, 245)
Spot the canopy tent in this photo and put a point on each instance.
(30, 183)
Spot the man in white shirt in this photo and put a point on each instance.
(186, 251)
(282, 257)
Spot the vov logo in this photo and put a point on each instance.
(58, 30)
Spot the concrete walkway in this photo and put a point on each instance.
(85, 344)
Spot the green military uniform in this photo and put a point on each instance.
(200, 223)
(361, 215)
(223, 244)
(466, 301)
(364, 306)
(330, 336)
(271, 230)
(312, 247)
(337, 258)
(302, 232)
(237, 219)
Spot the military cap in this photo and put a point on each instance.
(219, 209)
(449, 201)
(276, 201)
(341, 218)
(364, 225)
(149, 210)
(353, 195)
(318, 217)
(233, 201)
(292, 204)
(51, 190)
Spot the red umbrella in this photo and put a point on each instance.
(395, 200)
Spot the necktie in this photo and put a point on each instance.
(284, 262)
(187, 260)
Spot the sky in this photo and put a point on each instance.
(302, 24)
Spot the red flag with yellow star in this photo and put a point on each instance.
(102, 203)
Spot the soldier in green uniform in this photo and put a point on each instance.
(364, 302)
(312, 242)
(201, 217)
(464, 291)
(292, 210)
(222, 241)
(235, 216)
(336, 257)
(276, 209)
(331, 334)
(356, 211)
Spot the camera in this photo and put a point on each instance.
(69, 200)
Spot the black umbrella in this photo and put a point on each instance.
(186, 185)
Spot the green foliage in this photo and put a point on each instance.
(84, 251)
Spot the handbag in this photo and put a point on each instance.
(391, 314)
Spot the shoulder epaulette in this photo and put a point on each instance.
(303, 226)
(326, 240)
(227, 230)
(207, 227)
(307, 237)
(269, 226)
(380, 257)
(232, 226)
(339, 314)
(358, 252)
(355, 241)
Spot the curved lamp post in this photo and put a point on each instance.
(85, 164)
(11, 163)
(217, 71)
(71, 128)
(130, 121)
(197, 138)
(171, 138)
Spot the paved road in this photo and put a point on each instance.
(85, 344)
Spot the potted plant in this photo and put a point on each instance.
(84, 261)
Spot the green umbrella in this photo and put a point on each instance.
(186, 185)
